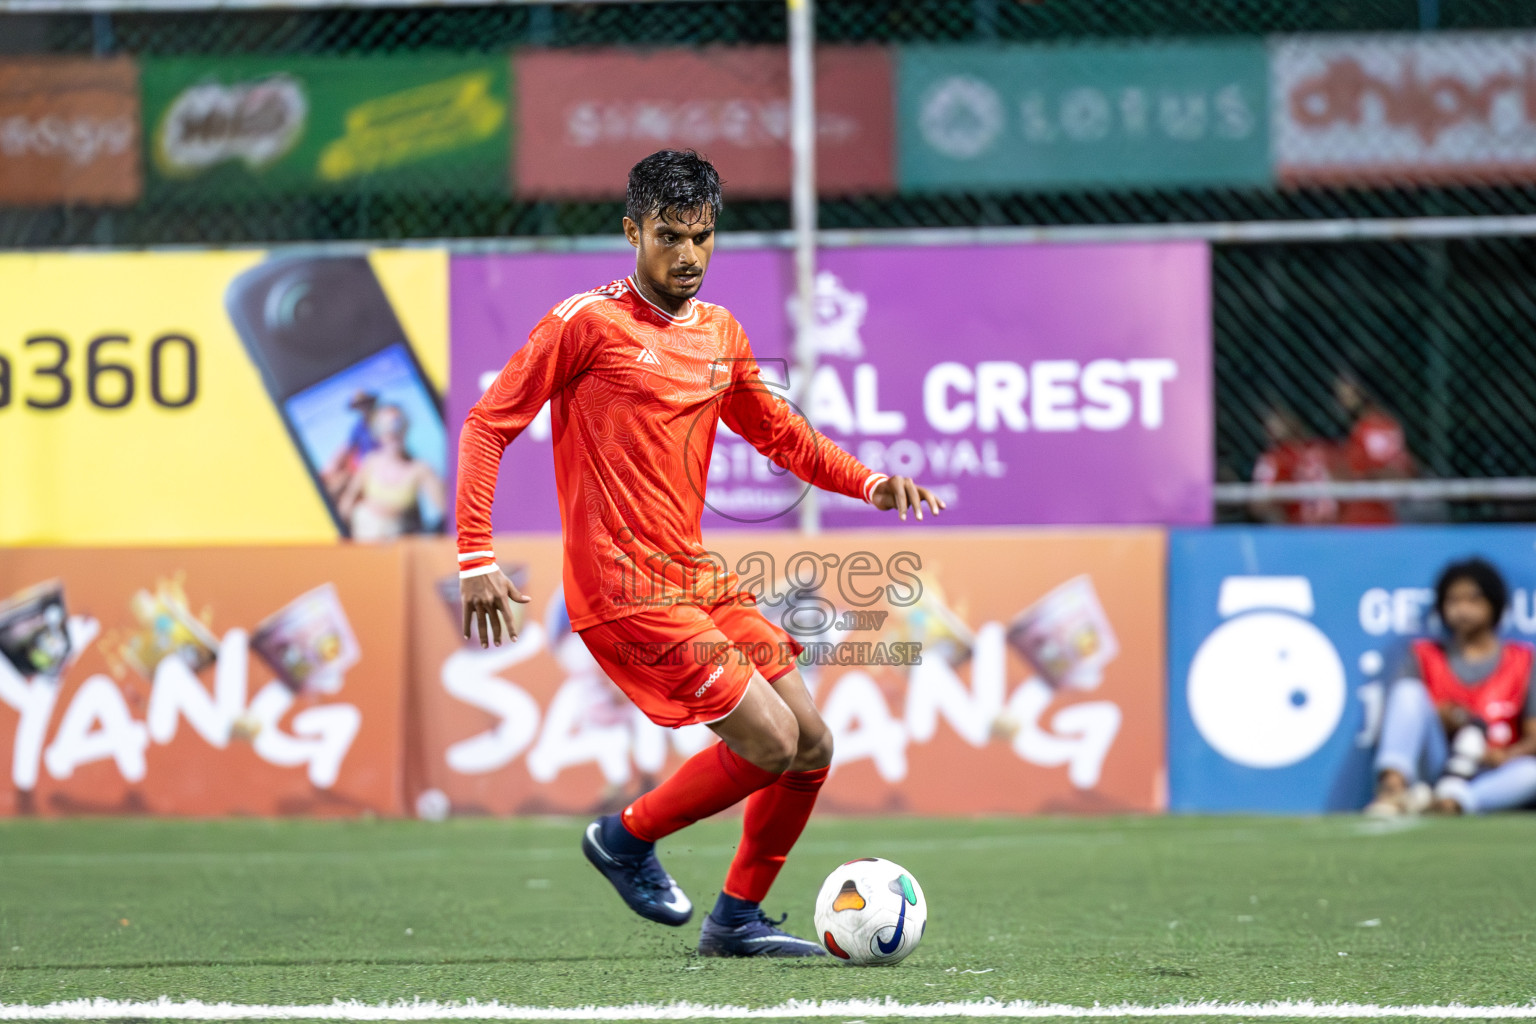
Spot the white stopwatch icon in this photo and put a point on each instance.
(1267, 687)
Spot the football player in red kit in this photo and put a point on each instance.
(638, 373)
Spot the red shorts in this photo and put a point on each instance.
(684, 664)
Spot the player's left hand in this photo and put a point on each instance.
(487, 601)
(902, 493)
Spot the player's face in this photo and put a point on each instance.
(672, 251)
(1467, 612)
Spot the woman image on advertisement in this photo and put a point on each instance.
(387, 494)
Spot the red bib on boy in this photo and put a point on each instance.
(1499, 701)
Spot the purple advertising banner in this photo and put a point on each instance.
(1024, 384)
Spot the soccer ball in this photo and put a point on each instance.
(871, 912)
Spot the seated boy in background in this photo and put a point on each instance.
(1462, 713)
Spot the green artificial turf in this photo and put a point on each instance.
(1143, 910)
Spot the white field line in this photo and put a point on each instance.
(166, 1009)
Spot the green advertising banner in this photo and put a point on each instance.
(1066, 117)
(234, 126)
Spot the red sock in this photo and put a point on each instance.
(707, 783)
(775, 818)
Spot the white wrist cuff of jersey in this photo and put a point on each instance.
(477, 554)
(484, 570)
(871, 484)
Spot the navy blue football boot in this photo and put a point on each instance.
(640, 879)
(759, 936)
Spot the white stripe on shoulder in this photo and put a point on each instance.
(581, 304)
(612, 290)
(565, 307)
(560, 309)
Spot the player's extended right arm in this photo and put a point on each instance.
(531, 376)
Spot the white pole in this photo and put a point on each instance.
(802, 144)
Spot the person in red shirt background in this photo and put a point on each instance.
(1293, 456)
(1458, 731)
(1375, 449)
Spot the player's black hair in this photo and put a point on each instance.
(1483, 575)
(673, 181)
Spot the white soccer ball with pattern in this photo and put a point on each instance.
(870, 912)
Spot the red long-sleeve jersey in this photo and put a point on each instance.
(635, 394)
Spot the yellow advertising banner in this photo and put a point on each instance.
(221, 397)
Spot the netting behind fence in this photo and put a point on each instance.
(1438, 333)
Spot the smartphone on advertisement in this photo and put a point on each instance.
(360, 410)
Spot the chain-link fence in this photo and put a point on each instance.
(164, 218)
(1438, 333)
(1435, 333)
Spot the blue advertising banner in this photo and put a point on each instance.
(1282, 643)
